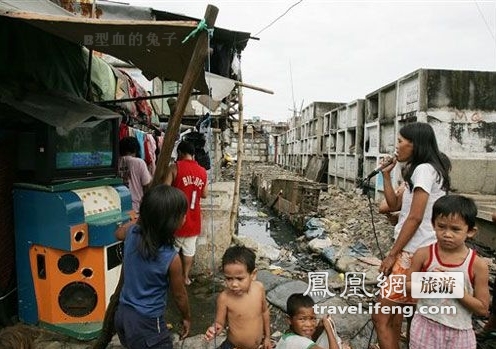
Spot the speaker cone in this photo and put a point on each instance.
(78, 299)
(68, 264)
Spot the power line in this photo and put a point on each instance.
(278, 18)
(485, 21)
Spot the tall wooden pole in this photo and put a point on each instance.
(194, 68)
(237, 177)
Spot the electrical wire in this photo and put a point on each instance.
(493, 34)
(485, 21)
(278, 18)
(366, 186)
(210, 140)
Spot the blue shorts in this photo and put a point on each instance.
(138, 332)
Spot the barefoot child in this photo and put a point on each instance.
(303, 325)
(241, 307)
(453, 218)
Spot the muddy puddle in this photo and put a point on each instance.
(260, 224)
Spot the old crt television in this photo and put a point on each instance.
(48, 156)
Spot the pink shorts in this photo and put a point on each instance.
(428, 334)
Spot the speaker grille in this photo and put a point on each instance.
(78, 299)
(68, 264)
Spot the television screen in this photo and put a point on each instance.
(85, 147)
(88, 151)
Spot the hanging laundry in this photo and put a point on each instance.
(140, 110)
(150, 152)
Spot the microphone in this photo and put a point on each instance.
(388, 160)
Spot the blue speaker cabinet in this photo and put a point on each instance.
(68, 259)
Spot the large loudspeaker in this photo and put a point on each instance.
(74, 286)
(67, 256)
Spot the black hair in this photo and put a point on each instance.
(129, 145)
(455, 205)
(297, 301)
(240, 254)
(185, 147)
(425, 150)
(162, 212)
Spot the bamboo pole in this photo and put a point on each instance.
(253, 87)
(237, 177)
(194, 68)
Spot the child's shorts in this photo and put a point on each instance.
(394, 292)
(137, 332)
(187, 245)
(428, 334)
(228, 345)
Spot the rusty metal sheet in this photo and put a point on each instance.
(155, 47)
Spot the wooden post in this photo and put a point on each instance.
(237, 177)
(194, 68)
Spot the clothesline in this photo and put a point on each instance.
(150, 143)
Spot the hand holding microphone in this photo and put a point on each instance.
(385, 162)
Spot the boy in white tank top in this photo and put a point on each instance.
(453, 218)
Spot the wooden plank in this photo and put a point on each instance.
(194, 68)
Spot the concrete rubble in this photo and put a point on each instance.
(341, 231)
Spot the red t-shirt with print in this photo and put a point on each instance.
(190, 179)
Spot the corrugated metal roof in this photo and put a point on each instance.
(237, 39)
(116, 10)
(38, 6)
(131, 41)
(113, 10)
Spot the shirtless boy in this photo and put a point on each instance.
(242, 306)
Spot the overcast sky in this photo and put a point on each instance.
(340, 51)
